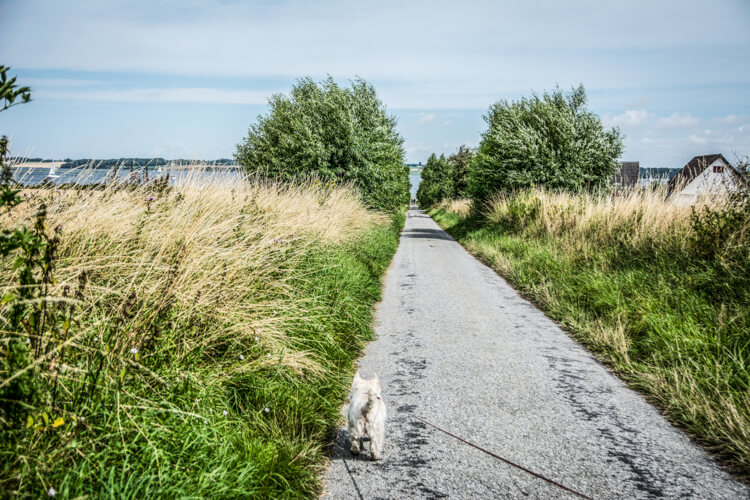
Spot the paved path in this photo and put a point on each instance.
(458, 346)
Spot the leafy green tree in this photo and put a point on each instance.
(437, 181)
(332, 133)
(460, 162)
(552, 140)
(10, 92)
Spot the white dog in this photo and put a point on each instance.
(366, 416)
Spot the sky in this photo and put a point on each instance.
(186, 78)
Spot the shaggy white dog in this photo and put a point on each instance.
(366, 416)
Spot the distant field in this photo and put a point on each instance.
(38, 164)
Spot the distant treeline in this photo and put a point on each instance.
(125, 162)
(139, 162)
(30, 160)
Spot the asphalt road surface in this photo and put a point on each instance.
(457, 346)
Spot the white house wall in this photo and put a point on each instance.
(707, 183)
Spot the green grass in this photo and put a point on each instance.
(673, 325)
(152, 424)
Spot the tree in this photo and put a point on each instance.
(9, 91)
(437, 181)
(460, 162)
(332, 133)
(552, 140)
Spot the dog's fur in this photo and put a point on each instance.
(366, 416)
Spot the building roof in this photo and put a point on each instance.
(693, 169)
(627, 175)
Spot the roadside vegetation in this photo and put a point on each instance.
(335, 134)
(197, 340)
(658, 292)
(445, 178)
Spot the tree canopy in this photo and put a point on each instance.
(332, 133)
(437, 181)
(460, 162)
(551, 140)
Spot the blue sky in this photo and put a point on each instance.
(185, 78)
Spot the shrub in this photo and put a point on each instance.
(460, 162)
(437, 181)
(331, 133)
(552, 140)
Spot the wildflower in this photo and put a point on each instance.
(133, 350)
(266, 410)
(150, 199)
(242, 357)
(256, 339)
(268, 355)
(51, 492)
(225, 413)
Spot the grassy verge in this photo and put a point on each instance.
(214, 332)
(653, 289)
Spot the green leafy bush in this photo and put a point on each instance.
(552, 140)
(437, 181)
(332, 133)
(460, 162)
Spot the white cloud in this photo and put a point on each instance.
(651, 140)
(37, 83)
(629, 118)
(727, 120)
(415, 53)
(417, 41)
(417, 149)
(193, 95)
(427, 118)
(678, 120)
(447, 123)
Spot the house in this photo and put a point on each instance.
(628, 175)
(703, 177)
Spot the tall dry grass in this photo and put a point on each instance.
(660, 292)
(460, 207)
(188, 302)
(641, 215)
(213, 249)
